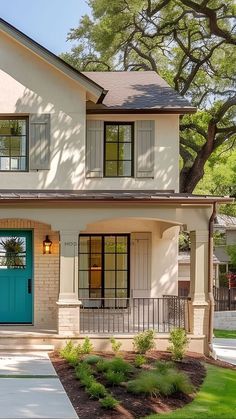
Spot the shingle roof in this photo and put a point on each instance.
(137, 90)
(223, 220)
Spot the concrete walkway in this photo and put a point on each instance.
(225, 350)
(30, 388)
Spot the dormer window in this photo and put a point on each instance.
(118, 157)
(13, 144)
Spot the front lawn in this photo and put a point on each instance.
(215, 400)
(225, 334)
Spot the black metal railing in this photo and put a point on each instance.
(133, 315)
(225, 298)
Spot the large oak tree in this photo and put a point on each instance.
(190, 43)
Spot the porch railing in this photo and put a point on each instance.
(225, 298)
(133, 315)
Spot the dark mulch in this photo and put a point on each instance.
(131, 406)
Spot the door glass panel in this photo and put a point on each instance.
(121, 279)
(121, 262)
(96, 261)
(110, 262)
(83, 279)
(96, 245)
(83, 261)
(110, 244)
(121, 244)
(12, 252)
(110, 279)
(96, 278)
(84, 244)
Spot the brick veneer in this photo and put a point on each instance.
(45, 271)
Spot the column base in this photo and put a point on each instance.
(68, 318)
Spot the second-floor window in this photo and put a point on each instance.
(118, 156)
(13, 144)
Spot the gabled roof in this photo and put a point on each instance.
(137, 91)
(90, 85)
(223, 221)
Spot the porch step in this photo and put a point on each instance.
(10, 347)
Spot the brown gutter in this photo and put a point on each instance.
(210, 277)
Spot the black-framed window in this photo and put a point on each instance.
(118, 149)
(104, 266)
(13, 144)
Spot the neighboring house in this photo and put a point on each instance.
(225, 226)
(90, 209)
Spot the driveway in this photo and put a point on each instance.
(225, 349)
(30, 388)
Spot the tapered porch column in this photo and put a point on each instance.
(68, 302)
(199, 318)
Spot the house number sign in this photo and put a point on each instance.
(71, 244)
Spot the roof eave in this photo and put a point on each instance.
(115, 111)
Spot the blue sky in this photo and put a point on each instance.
(46, 21)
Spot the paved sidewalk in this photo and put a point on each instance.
(225, 349)
(30, 388)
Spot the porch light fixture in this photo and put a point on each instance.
(47, 246)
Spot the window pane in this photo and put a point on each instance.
(96, 261)
(110, 279)
(111, 168)
(110, 262)
(121, 293)
(83, 279)
(96, 278)
(111, 132)
(110, 244)
(12, 252)
(18, 146)
(109, 293)
(124, 168)
(96, 244)
(84, 293)
(4, 163)
(4, 146)
(112, 151)
(121, 279)
(125, 151)
(84, 244)
(121, 244)
(5, 127)
(125, 133)
(95, 293)
(83, 261)
(121, 261)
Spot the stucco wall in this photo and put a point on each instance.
(225, 320)
(30, 85)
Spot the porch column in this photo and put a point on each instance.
(68, 302)
(199, 317)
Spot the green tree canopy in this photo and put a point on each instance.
(190, 43)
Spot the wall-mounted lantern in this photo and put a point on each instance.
(47, 246)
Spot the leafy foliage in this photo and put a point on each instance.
(92, 359)
(71, 353)
(115, 377)
(116, 345)
(179, 342)
(108, 402)
(96, 390)
(144, 341)
(140, 360)
(87, 346)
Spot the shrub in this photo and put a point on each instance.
(92, 359)
(181, 382)
(70, 353)
(102, 365)
(83, 372)
(140, 360)
(119, 365)
(144, 341)
(179, 342)
(108, 402)
(116, 345)
(164, 366)
(96, 390)
(146, 383)
(115, 378)
(87, 346)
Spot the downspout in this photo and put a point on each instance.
(210, 278)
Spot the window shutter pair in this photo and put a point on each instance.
(39, 142)
(143, 144)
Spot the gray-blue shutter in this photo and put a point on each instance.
(144, 142)
(39, 142)
(94, 149)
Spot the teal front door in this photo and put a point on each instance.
(15, 276)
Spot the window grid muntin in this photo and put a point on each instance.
(131, 160)
(26, 145)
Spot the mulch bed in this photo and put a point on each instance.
(130, 406)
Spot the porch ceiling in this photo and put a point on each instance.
(147, 197)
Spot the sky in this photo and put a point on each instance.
(46, 21)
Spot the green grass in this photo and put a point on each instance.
(227, 334)
(215, 400)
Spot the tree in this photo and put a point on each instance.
(190, 43)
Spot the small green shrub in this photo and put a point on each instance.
(119, 365)
(146, 383)
(140, 360)
(83, 372)
(87, 346)
(92, 359)
(181, 382)
(108, 402)
(116, 345)
(87, 380)
(164, 366)
(115, 378)
(179, 341)
(96, 390)
(144, 341)
(70, 353)
(102, 365)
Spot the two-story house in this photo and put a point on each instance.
(90, 208)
